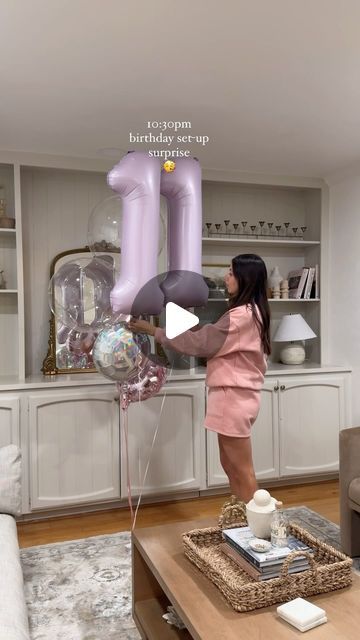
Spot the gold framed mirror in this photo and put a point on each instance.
(70, 351)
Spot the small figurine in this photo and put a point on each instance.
(284, 289)
(276, 292)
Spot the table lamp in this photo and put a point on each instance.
(292, 328)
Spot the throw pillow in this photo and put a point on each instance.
(10, 480)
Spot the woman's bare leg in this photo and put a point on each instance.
(236, 460)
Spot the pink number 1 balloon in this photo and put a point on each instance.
(136, 178)
(184, 284)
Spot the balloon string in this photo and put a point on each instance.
(149, 458)
(126, 435)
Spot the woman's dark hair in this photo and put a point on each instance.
(251, 275)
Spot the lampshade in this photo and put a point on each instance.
(293, 327)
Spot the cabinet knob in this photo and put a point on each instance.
(276, 388)
(282, 388)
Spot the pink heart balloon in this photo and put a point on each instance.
(146, 384)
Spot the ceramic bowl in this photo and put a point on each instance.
(259, 545)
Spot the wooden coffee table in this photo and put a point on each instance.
(162, 575)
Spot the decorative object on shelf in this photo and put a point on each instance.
(5, 221)
(258, 231)
(293, 328)
(214, 275)
(2, 280)
(284, 289)
(275, 278)
(275, 292)
(259, 513)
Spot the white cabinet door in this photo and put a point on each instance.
(74, 447)
(9, 419)
(265, 433)
(264, 439)
(312, 411)
(174, 457)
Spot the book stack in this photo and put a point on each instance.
(304, 283)
(262, 566)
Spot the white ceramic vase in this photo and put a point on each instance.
(275, 278)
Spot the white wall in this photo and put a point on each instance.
(344, 281)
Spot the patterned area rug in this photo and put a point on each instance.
(81, 590)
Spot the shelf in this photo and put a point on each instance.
(7, 232)
(272, 242)
(272, 300)
(294, 300)
(148, 614)
(8, 290)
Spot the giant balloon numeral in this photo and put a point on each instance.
(184, 283)
(136, 178)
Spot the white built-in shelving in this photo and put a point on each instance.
(51, 200)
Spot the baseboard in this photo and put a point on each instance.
(83, 509)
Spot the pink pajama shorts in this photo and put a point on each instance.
(232, 411)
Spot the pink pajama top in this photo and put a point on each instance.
(236, 367)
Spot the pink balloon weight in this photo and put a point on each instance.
(147, 383)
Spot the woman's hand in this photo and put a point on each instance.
(141, 326)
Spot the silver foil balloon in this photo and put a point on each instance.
(117, 354)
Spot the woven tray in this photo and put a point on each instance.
(329, 570)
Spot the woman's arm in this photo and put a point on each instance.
(204, 343)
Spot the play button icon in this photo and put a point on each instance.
(178, 320)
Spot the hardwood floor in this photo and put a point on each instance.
(321, 497)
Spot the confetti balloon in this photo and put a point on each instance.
(117, 354)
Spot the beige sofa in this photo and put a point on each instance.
(350, 491)
(13, 611)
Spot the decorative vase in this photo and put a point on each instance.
(259, 513)
(275, 278)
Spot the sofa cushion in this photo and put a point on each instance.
(10, 480)
(354, 491)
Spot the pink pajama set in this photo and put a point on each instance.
(236, 367)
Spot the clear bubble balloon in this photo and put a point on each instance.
(79, 291)
(105, 226)
(82, 341)
(117, 354)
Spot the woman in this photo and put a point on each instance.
(236, 348)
